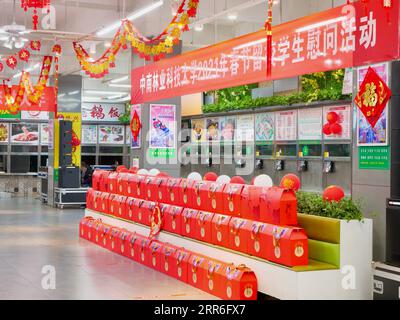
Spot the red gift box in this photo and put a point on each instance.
(104, 202)
(216, 278)
(258, 241)
(207, 196)
(85, 225)
(179, 266)
(144, 212)
(97, 201)
(121, 206)
(104, 234)
(100, 180)
(113, 204)
(154, 254)
(121, 242)
(204, 226)
(239, 234)
(112, 236)
(287, 246)
(185, 193)
(151, 190)
(90, 198)
(250, 203)
(278, 206)
(137, 186)
(189, 221)
(122, 184)
(129, 249)
(168, 265)
(173, 219)
(241, 283)
(144, 254)
(197, 271)
(232, 199)
(92, 229)
(97, 232)
(113, 182)
(171, 191)
(154, 189)
(131, 205)
(220, 230)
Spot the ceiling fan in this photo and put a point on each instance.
(12, 35)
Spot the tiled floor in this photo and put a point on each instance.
(33, 236)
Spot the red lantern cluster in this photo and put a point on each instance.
(333, 126)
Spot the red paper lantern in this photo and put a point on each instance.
(332, 117)
(336, 128)
(24, 55)
(11, 62)
(238, 180)
(327, 129)
(333, 193)
(210, 176)
(290, 182)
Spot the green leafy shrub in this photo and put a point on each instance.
(313, 204)
(126, 117)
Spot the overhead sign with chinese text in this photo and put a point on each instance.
(102, 112)
(342, 37)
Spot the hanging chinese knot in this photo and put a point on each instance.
(155, 48)
(268, 29)
(35, 5)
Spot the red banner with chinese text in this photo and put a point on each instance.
(46, 103)
(341, 37)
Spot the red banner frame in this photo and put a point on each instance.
(342, 37)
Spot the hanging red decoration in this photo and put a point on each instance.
(333, 193)
(12, 62)
(373, 96)
(1, 67)
(24, 55)
(135, 126)
(268, 29)
(35, 5)
(35, 45)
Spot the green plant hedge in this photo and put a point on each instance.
(313, 204)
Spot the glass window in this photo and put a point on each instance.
(313, 150)
(24, 163)
(110, 160)
(28, 149)
(108, 149)
(337, 150)
(3, 148)
(265, 150)
(3, 163)
(45, 149)
(43, 160)
(89, 160)
(286, 150)
(88, 149)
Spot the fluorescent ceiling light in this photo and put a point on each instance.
(117, 80)
(131, 17)
(115, 97)
(321, 24)
(199, 27)
(232, 16)
(72, 93)
(105, 93)
(120, 85)
(61, 95)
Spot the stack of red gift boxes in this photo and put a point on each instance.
(258, 221)
(223, 280)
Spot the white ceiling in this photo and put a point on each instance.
(88, 16)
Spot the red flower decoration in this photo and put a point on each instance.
(24, 55)
(290, 182)
(35, 45)
(11, 62)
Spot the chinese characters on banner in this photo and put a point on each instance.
(366, 134)
(342, 37)
(102, 112)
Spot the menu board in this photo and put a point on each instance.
(286, 125)
(265, 126)
(25, 133)
(337, 123)
(228, 127)
(4, 132)
(111, 134)
(89, 134)
(213, 127)
(245, 128)
(198, 130)
(366, 134)
(162, 126)
(310, 124)
(44, 134)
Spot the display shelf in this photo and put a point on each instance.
(316, 281)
